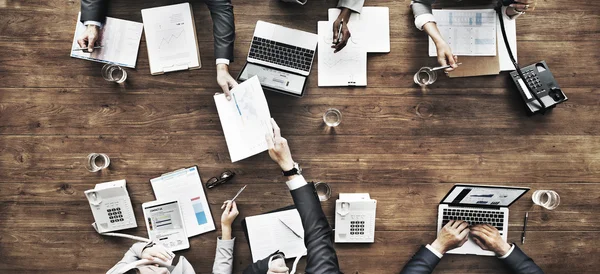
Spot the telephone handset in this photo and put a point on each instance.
(355, 218)
(111, 207)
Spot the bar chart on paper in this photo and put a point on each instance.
(467, 32)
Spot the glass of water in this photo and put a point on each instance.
(114, 73)
(425, 76)
(332, 117)
(548, 199)
(323, 191)
(96, 162)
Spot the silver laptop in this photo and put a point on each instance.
(478, 204)
(281, 58)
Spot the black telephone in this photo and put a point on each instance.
(535, 82)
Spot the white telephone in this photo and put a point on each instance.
(111, 207)
(355, 218)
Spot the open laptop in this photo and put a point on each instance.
(281, 58)
(478, 204)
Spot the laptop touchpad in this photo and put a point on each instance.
(275, 79)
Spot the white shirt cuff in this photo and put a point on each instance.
(434, 251)
(507, 253)
(95, 23)
(423, 19)
(222, 61)
(275, 257)
(296, 183)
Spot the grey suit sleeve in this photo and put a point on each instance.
(221, 12)
(519, 263)
(354, 5)
(420, 7)
(94, 10)
(423, 262)
(133, 254)
(224, 257)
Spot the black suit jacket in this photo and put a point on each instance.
(321, 257)
(221, 12)
(424, 261)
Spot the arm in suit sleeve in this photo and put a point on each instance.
(133, 254)
(518, 262)
(94, 10)
(423, 262)
(224, 257)
(321, 256)
(422, 12)
(353, 5)
(261, 266)
(221, 12)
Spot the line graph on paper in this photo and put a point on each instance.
(343, 68)
(172, 43)
(172, 38)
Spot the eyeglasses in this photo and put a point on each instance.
(225, 177)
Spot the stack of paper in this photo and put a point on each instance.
(120, 41)
(467, 32)
(245, 119)
(280, 230)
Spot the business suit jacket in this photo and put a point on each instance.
(321, 257)
(424, 261)
(221, 12)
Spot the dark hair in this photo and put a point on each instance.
(132, 271)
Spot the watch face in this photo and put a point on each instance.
(297, 167)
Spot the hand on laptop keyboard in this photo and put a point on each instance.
(453, 234)
(488, 238)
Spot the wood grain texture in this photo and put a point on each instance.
(404, 145)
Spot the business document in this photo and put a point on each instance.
(120, 41)
(267, 233)
(347, 67)
(467, 32)
(370, 28)
(245, 119)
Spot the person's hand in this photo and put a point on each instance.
(445, 56)
(342, 20)
(224, 79)
(454, 234)
(278, 267)
(227, 218)
(89, 37)
(157, 252)
(524, 5)
(278, 148)
(488, 238)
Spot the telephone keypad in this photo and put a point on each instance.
(115, 215)
(357, 228)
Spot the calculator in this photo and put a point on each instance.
(542, 82)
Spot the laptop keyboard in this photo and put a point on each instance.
(281, 54)
(474, 217)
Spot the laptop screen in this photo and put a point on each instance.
(483, 195)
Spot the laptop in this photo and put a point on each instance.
(281, 58)
(478, 204)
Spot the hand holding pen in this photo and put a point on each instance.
(341, 33)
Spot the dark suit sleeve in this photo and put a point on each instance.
(221, 12)
(321, 257)
(519, 263)
(262, 266)
(423, 262)
(94, 10)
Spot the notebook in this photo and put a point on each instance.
(347, 67)
(370, 28)
(171, 38)
(266, 234)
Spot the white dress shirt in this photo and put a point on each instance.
(440, 255)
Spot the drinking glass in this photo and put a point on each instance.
(332, 117)
(425, 76)
(323, 191)
(96, 162)
(114, 73)
(548, 199)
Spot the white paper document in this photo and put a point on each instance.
(185, 186)
(171, 38)
(347, 67)
(370, 28)
(467, 32)
(511, 33)
(245, 119)
(120, 41)
(267, 234)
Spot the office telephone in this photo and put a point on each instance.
(355, 218)
(111, 207)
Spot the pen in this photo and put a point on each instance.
(236, 195)
(340, 32)
(444, 67)
(236, 104)
(288, 227)
(85, 49)
(524, 228)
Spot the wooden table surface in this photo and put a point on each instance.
(403, 145)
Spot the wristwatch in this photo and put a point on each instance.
(297, 170)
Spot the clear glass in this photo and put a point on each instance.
(323, 191)
(548, 199)
(96, 162)
(332, 117)
(425, 76)
(114, 73)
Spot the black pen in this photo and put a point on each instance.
(85, 49)
(524, 228)
(340, 32)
